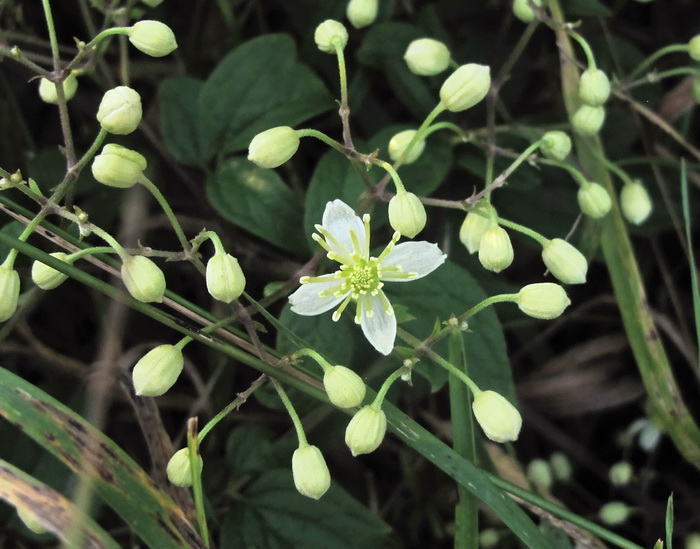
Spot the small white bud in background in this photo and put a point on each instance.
(427, 57)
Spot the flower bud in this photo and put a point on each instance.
(523, 11)
(489, 538)
(427, 57)
(311, 476)
(273, 147)
(47, 89)
(157, 370)
(31, 520)
(620, 474)
(179, 469)
(48, 278)
(694, 47)
(477, 222)
(561, 466)
(540, 474)
(143, 279)
(588, 120)
(557, 145)
(398, 144)
(495, 249)
(594, 200)
(465, 87)
(635, 202)
(614, 513)
(225, 279)
(344, 387)
(544, 300)
(692, 541)
(362, 12)
(117, 166)
(9, 292)
(152, 3)
(366, 430)
(594, 87)
(564, 261)
(152, 38)
(407, 214)
(499, 419)
(330, 34)
(120, 110)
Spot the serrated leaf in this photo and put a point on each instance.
(178, 99)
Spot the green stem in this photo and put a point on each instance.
(77, 168)
(388, 382)
(89, 251)
(344, 105)
(654, 77)
(92, 44)
(446, 126)
(421, 133)
(109, 239)
(316, 356)
(673, 48)
(323, 137)
(393, 173)
(193, 453)
(586, 48)
(500, 298)
(168, 211)
(576, 174)
(291, 411)
(524, 230)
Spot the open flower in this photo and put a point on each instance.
(360, 278)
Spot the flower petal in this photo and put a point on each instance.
(380, 328)
(339, 219)
(421, 258)
(306, 301)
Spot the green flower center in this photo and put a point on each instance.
(361, 278)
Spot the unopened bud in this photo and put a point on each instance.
(31, 520)
(152, 38)
(561, 466)
(495, 249)
(9, 292)
(158, 370)
(614, 513)
(427, 57)
(620, 473)
(594, 200)
(588, 120)
(523, 11)
(48, 93)
(48, 278)
(117, 166)
(499, 419)
(694, 47)
(143, 279)
(152, 3)
(539, 473)
(273, 147)
(311, 476)
(398, 144)
(344, 387)
(179, 468)
(465, 87)
(489, 538)
(362, 12)
(692, 541)
(225, 279)
(475, 224)
(407, 214)
(564, 261)
(120, 110)
(330, 34)
(557, 145)
(366, 430)
(635, 202)
(544, 300)
(594, 87)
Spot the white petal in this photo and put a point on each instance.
(306, 301)
(421, 258)
(380, 328)
(339, 219)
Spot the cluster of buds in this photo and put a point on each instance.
(593, 92)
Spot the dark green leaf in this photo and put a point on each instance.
(179, 100)
(585, 8)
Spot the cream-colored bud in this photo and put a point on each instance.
(427, 57)
(594, 87)
(561, 466)
(620, 474)
(407, 214)
(544, 300)
(48, 278)
(489, 538)
(273, 147)
(398, 144)
(499, 419)
(495, 249)
(557, 145)
(594, 200)
(588, 120)
(475, 224)
(120, 110)
(366, 430)
(143, 279)
(564, 261)
(9, 292)
(48, 93)
(330, 34)
(311, 476)
(117, 166)
(694, 47)
(344, 387)
(179, 468)
(539, 473)
(31, 520)
(465, 87)
(614, 513)
(152, 38)
(523, 11)
(158, 370)
(635, 203)
(225, 279)
(361, 13)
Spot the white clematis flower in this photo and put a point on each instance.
(360, 278)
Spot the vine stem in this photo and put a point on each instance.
(193, 454)
(672, 48)
(301, 436)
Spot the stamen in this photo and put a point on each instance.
(335, 291)
(342, 255)
(390, 246)
(365, 220)
(386, 304)
(339, 310)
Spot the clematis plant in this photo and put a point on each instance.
(361, 277)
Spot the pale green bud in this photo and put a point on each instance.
(158, 370)
(311, 476)
(330, 34)
(152, 38)
(694, 47)
(564, 261)
(31, 520)
(594, 200)
(561, 466)
(475, 224)
(557, 145)
(692, 541)
(117, 166)
(635, 202)
(9, 292)
(523, 11)
(427, 57)
(495, 249)
(366, 430)
(499, 419)
(544, 300)
(407, 214)
(540, 474)
(120, 110)
(47, 89)
(143, 279)
(152, 3)
(179, 468)
(344, 387)
(273, 147)
(362, 12)
(398, 144)
(614, 513)
(465, 87)
(620, 473)
(225, 279)
(48, 278)
(588, 120)
(489, 538)
(594, 87)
